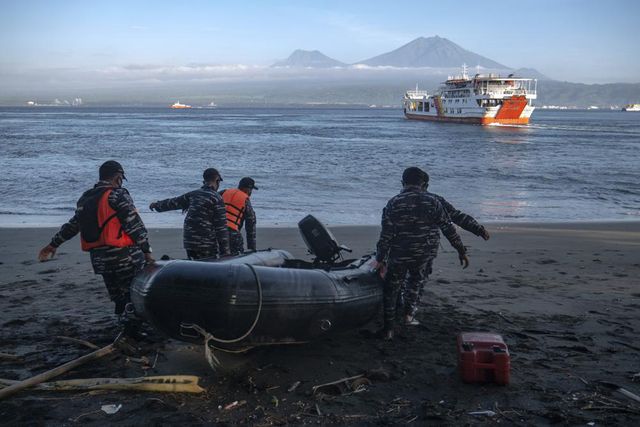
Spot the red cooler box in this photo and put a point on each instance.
(483, 358)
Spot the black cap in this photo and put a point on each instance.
(210, 174)
(247, 182)
(415, 176)
(109, 168)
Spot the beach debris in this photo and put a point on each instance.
(164, 383)
(343, 386)
(77, 341)
(9, 356)
(29, 382)
(626, 393)
(275, 401)
(234, 405)
(111, 409)
(487, 413)
(591, 423)
(635, 377)
(293, 386)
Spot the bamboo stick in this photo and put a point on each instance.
(12, 389)
(164, 383)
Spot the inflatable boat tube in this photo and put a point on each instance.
(276, 298)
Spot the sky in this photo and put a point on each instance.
(580, 41)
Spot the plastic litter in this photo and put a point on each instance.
(111, 409)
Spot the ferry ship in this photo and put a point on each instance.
(481, 99)
(631, 107)
(179, 106)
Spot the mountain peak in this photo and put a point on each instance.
(432, 51)
(308, 59)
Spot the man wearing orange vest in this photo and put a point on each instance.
(240, 212)
(111, 231)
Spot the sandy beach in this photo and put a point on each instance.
(565, 297)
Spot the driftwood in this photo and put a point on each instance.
(9, 356)
(29, 382)
(166, 383)
(77, 341)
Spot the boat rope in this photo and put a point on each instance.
(210, 337)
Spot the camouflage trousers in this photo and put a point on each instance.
(196, 254)
(409, 275)
(411, 292)
(236, 242)
(118, 267)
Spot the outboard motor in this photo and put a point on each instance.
(320, 241)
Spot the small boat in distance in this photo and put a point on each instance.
(179, 106)
(631, 107)
(482, 99)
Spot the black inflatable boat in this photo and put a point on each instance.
(261, 298)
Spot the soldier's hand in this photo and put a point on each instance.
(149, 259)
(46, 252)
(485, 234)
(464, 260)
(153, 206)
(379, 267)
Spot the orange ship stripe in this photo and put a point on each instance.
(511, 108)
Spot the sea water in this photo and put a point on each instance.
(341, 165)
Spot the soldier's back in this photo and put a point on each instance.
(199, 230)
(415, 216)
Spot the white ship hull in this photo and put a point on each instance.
(480, 100)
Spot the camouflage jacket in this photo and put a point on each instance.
(249, 221)
(107, 260)
(205, 225)
(461, 219)
(411, 224)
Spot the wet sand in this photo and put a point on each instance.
(566, 298)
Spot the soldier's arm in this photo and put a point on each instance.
(180, 202)
(250, 225)
(463, 220)
(449, 230)
(67, 231)
(386, 234)
(220, 224)
(132, 224)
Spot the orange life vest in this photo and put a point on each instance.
(235, 201)
(110, 232)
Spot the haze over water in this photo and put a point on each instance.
(341, 165)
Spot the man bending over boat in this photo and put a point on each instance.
(205, 232)
(409, 239)
(410, 296)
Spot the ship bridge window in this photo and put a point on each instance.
(420, 106)
(489, 102)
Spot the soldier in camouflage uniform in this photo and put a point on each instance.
(205, 232)
(117, 264)
(411, 224)
(240, 213)
(411, 295)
